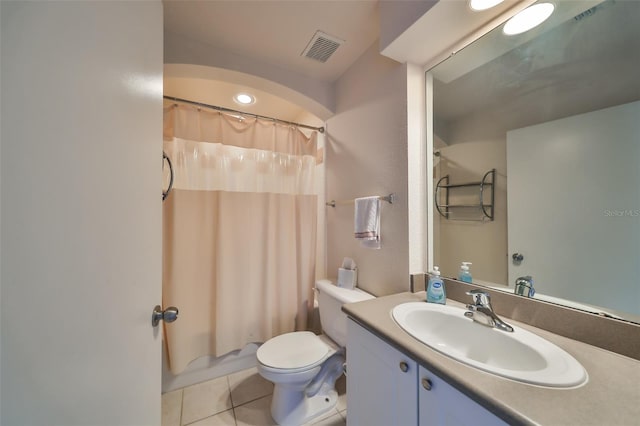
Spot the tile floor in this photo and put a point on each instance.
(239, 399)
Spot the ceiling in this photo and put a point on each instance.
(221, 93)
(572, 67)
(277, 32)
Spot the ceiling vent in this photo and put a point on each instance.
(321, 47)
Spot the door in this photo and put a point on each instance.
(573, 206)
(381, 384)
(441, 404)
(81, 177)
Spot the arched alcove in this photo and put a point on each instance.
(200, 80)
(217, 86)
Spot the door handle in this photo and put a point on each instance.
(168, 315)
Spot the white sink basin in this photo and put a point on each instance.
(520, 355)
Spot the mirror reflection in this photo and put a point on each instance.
(537, 159)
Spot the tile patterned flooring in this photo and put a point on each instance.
(239, 399)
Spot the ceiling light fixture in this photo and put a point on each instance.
(244, 99)
(529, 18)
(479, 5)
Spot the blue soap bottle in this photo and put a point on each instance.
(435, 289)
(464, 274)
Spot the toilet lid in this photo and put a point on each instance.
(292, 350)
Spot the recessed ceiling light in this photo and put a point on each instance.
(479, 5)
(529, 18)
(244, 99)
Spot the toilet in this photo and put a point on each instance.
(304, 367)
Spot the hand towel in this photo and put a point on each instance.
(367, 221)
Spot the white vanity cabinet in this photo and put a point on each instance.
(385, 387)
(441, 404)
(381, 382)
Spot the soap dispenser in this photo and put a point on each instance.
(464, 274)
(435, 289)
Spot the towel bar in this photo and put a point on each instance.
(388, 198)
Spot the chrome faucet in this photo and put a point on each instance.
(524, 286)
(481, 311)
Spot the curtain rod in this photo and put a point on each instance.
(223, 109)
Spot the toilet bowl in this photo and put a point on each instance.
(303, 366)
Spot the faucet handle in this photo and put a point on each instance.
(526, 279)
(480, 298)
(524, 286)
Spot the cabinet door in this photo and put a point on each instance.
(381, 382)
(441, 404)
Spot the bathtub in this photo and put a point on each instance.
(209, 367)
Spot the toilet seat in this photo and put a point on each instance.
(293, 352)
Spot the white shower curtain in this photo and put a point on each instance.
(239, 231)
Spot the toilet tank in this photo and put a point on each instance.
(330, 300)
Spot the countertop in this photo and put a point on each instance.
(610, 397)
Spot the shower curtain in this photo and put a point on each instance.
(239, 235)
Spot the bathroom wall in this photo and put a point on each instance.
(367, 155)
(416, 168)
(397, 16)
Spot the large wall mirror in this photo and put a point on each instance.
(536, 159)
